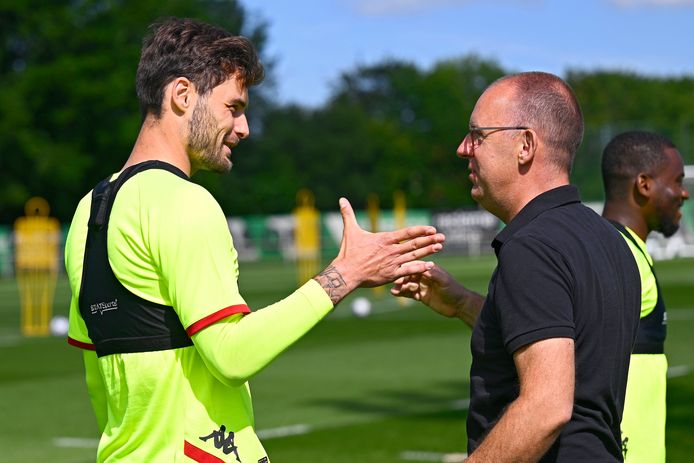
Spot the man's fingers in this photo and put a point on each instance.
(409, 233)
(403, 280)
(413, 268)
(405, 257)
(407, 288)
(407, 279)
(413, 273)
(420, 242)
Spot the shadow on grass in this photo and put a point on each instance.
(378, 441)
(398, 402)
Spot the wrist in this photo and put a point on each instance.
(336, 281)
(469, 306)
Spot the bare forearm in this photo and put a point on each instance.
(533, 421)
(469, 306)
(523, 434)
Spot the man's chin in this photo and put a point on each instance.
(669, 229)
(217, 167)
(222, 168)
(220, 164)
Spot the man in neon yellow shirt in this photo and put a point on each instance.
(643, 174)
(168, 342)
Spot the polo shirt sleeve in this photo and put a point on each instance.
(533, 294)
(195, 253)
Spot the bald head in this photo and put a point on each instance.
(547, 104)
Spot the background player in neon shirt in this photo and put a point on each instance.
(643, 173)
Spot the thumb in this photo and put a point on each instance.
(349, 220)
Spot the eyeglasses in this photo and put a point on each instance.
(476, 134)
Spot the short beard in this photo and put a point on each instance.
(202, 146)
(668, 227)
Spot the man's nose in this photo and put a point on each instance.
(241, 127)
(465, 148)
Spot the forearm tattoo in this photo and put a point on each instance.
(332, 282)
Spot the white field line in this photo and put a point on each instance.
(416, 455)
(10, 340)
(76, 442)
(462, 404)
(284, 431)
(678, 370)
(13, 340)
(298, 429)
(265, 434)
(680, 314)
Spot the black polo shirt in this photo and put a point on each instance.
(562, 271)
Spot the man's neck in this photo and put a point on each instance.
(530, 190)
(158, 141)
(627, 217)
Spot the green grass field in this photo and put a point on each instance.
(390, 388)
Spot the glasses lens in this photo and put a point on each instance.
(475, 138)
(468, 143)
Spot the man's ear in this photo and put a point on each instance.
(528, 147)
(182, 95)
(643, 185)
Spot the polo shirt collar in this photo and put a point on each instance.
(550, 199)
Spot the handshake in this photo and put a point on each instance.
(370, 259)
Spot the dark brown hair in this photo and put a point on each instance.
(205, 54)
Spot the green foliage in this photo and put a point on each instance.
(393, 126)
(70, 115)
(614, 102)
(67, 69)
(386, 127)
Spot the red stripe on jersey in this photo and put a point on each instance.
(215, 317)
(199, 455)
(81, 345)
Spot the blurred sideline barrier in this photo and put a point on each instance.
(468, 233)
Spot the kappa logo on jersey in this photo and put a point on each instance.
(263, 460)
(223, 441)
(101, 307)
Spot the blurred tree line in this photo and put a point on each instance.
(69, 115)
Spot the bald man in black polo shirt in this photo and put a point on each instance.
(551, 340)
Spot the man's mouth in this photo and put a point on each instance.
(230, 146)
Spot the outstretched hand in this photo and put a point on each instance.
(372, 259)
(439, 290)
